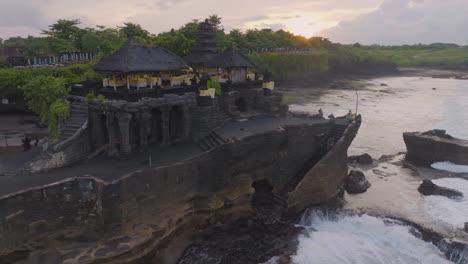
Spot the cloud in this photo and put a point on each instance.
(22, 17)
(406, 22)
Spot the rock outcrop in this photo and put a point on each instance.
(433, 146)
(356, 182)
(429, 188)
(364, 159)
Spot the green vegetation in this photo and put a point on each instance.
(13, 79)
(291, 66)
(47, 96)
(90, 96)
(214, 83)
(434, 55)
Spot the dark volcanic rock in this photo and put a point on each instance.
(434, 146)
(245, 241)
(356, 182)
(364, 159)
(429, 188)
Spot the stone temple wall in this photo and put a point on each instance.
(165, 195)
(119, 127)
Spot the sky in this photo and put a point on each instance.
(345, 21)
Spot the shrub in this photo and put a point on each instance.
(47, 96)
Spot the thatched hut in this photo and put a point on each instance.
(137, 65)
(233, 64)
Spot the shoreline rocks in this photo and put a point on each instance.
(433, 146)
(356, 182)
(428, 188)
(363, 159)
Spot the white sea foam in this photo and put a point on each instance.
(445, 210)
(451, 167)
(362, 240)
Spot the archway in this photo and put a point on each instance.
(156, 134)
(241, 104)
(103, 131)
(117, 134)
(134, 131)
(176, 123)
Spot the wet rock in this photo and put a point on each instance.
(383, 173)
(466, 227)
(438, 133)
(433, 146)
(383, 84)
(414, 169)
(356, 182)
(364, 159)
(386, 157)
(429, 188)
(242, 242)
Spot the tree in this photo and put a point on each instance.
(176, 42)
(131, 30)
(47, 96)
(65, 34)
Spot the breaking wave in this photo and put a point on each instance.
(361, 239)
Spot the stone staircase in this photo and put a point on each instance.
(335, 135)
(212, 140)
(78, 116)
(337, 131)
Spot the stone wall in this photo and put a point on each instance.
(324, 180)
(166, 195)
(207, 118)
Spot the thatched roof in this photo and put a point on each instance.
(137, 57)
(231, 58)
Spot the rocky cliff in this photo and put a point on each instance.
(135, 216)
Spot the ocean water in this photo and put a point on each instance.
(365, 239)
(448, 211)
(406, 104)
(450, 167)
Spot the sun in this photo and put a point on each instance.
(306, 26)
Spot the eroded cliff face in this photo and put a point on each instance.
(126, 219)
(433, 146)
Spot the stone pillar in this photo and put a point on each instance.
(124, 125)
(145, 130)
(165, 118)
(110, 120)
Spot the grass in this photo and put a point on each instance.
(446, 57)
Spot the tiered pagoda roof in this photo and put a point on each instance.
(206, 46)
(137, 57)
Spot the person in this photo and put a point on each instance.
(320, 111)
(26, 143)
(349, 116)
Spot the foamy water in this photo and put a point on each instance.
(448, 211)
(352, 239)
(450, 167)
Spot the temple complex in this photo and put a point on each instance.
(165, 151)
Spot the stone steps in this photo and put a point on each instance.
(337, 131)
(212, 140)
(78, 116)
